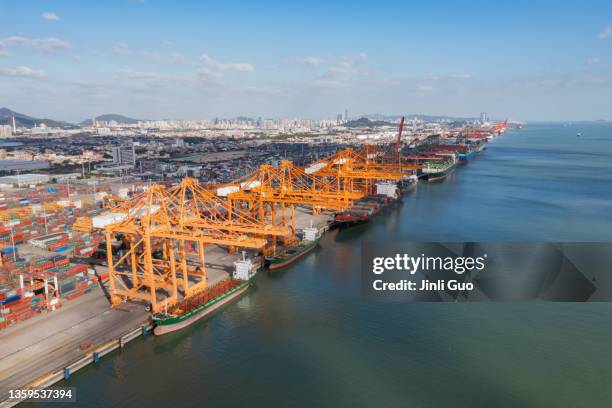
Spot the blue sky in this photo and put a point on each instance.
(524, 60)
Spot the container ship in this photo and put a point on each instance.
(470, 150)
(292, 253)
(195, 307)
(466, 149)
(366, 208)
(438, 170)
(408, 183)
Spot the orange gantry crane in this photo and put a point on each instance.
(163, 234)
(333, 184)
(272, 193)
(357, 171)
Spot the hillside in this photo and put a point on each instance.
(108, 117)
(21, 120)
(365, 122)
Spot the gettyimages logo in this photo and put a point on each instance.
(412, 264)
(574, 272)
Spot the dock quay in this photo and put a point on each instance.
(48, 348)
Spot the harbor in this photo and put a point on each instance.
(220, 266)
(298, 219)
(311, 318)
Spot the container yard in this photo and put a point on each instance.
(163, 256)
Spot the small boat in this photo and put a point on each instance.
(578, 134)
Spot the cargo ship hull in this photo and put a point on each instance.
(350, 221)
(465, 157)
(287, 259)
(406, 186)
(364, 211)
(174, 323)
(442, 174)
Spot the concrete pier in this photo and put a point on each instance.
(48, 343)
(304, 217)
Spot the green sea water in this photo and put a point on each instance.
(305, 337)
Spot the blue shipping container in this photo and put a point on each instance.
(10, 299)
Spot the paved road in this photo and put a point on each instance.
(49, 342)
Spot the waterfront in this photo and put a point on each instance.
(305, 337)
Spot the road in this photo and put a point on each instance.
(49, 342)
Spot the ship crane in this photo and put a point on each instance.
(165, 232)
(396, 152)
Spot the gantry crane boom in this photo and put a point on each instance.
(396, 151)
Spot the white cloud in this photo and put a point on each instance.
(40, 44)
(311, 61)
(593, 61)
(354, 58)
(327, 84)
(4, 53)
(461, 76)
(202, 75)
(49, 16)
(208, 75)
(254, 90)
(178, 58)
(345, 70)
(348, 66)
(170, 58)
(425, 88)
(228, 66)
(607, 32)
(22, 71)
(131, 74)
(121, 49)
(89, 84)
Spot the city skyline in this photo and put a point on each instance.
(151, 59)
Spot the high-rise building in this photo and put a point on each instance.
(14, 126)
(124, 155)
(5, 131)
(484, 118)
(346, 115)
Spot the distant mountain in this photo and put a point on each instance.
(365, 122)
(108, 117)
(21, 120)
